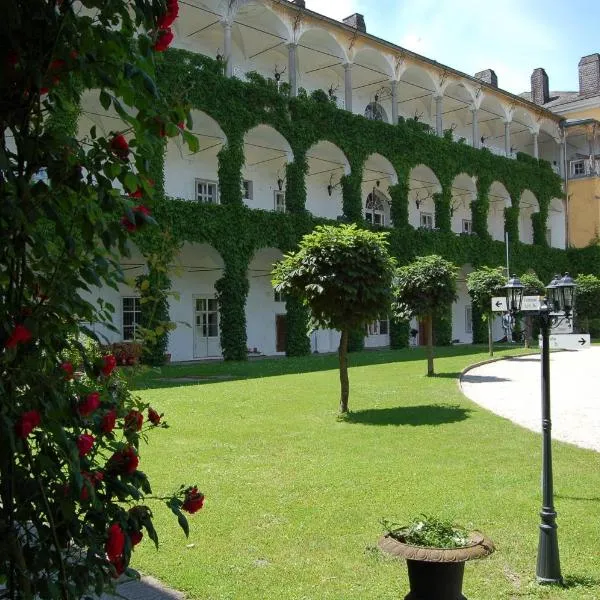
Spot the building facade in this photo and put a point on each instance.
(303, 120)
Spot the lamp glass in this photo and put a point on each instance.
(566, 289)
(514, 294)
(552, 294)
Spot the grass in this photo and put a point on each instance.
(295, 495)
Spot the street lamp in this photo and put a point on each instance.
(556, 308)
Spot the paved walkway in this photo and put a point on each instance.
(512, 388)
(146, 589)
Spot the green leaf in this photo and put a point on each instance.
(105, 99)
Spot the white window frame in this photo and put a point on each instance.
(202, 316)
(426, 220)
(578, 167)
(469, 318)
(137, 314)
(372, 213)
(278, 296)
(376, 327)
(467, 226)
(247, 190)
(279, 201)
(204, 196)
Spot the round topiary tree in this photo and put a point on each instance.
(424, 289)
(588, 300)
(483, 284)
(343, 275)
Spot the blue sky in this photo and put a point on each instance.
(513, 37)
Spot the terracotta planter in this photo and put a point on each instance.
(436, 573)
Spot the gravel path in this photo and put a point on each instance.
(147, 588)
(512, 388)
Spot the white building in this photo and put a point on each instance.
(375, 80)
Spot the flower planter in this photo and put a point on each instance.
(436, 573)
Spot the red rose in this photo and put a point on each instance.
(140, 212)
(181, 125)
(115, 543)
(139, 192)
(27, 423)
(165, 37)
(194, 500)
(67, 367)
(57, 65)
(85, 442)
(20, 335)
(136, 537)
(12, 58)
(109, 362)
(109, 421)
(120, 146)
(92, 480)
(134, 420)
(119, 566)
(124, 462)
(153, 416)
(166, 20)
(89, 405)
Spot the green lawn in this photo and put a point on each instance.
(295, 496)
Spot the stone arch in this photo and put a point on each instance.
(187, 169)
(458, 99)
(464, 192)
(492, 116)
(423, 184)
(498, 201)
(377, 177)
(462, 316)
(528, 206)
(557, 224)
(327, 164)
(416, 89)
(263, 306)
(267, 154)
(372, 73)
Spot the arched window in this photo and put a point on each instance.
(375, 112)
(374, 209)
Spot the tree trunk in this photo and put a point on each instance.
(429, 330)
(490, 336)
(344, 383)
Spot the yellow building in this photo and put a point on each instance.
(581, 156)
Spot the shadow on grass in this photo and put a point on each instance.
(425, 414)
(578, 498)
(580, 581)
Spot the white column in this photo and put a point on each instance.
(536, 148)
(394, 86)
(507, 143)
(476, 141)
(227, 48)
(348, 86)
(562, 147)
(439, 119)
(293, 69)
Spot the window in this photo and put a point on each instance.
(467, 226)
(468, 319)
(207, 191)
(247, 189)
(131, 316)
(279, 203)
(374, 210)
(375, 112)
(427, 220)
(380, 327)
(578, 167)
(278, 297)
(207, 316)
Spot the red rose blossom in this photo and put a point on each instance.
(115, 543)
(194, 500)
(124, 462)
(27, 422)
(134, 420)
(120, 146)
(139, 192)
(92, 479)
(153, 416)
(20, 335)
(68, 369)
(166, 20)
(139, 213)
(109, 362)
(109, 420)
(136, 537)
(89, 405)
(165, 37)
(85, 442)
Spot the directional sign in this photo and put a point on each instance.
(531, 303)
(568, 341)
(565, 326)
(499, 304)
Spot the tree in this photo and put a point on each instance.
(72, 500)
(482, 285)
(533, 286)
(424, 289)
(587, 306)
(343, 275)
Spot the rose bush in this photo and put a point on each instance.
(73, 500)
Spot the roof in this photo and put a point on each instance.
(560, 98)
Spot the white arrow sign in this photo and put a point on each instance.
(568, 341)
(531, 303)
(499, 304)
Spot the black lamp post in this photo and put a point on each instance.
(556, 307)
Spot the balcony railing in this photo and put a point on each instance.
(584, 167)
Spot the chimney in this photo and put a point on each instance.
(589, 75)
(489, 76)
(540, 91)
(357, 21)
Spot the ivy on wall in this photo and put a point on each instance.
(237, 232)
